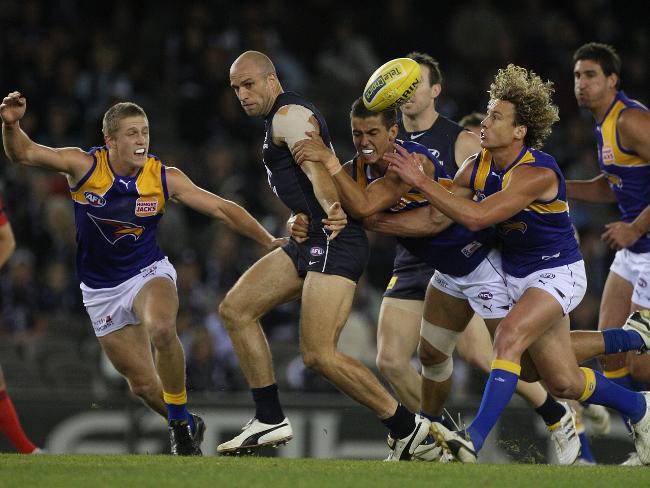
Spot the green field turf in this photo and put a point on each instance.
(220, 472)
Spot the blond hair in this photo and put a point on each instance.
(532, 99)
(117, 112)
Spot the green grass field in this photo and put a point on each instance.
(157, 471)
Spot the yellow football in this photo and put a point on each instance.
(392, 84)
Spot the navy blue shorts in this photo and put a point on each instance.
(346, 255)
(410, 283)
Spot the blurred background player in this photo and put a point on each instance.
(366, 189)
(322, 270)
(623, 139)
(9, 422)
(522, 189)
(128, 285)
(472, 122)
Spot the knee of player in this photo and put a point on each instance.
(231, 313)
(145, 388)
(508, 341)
(316, 360)
(163, 332)
(564, 386)
(390, 364)
(429, 355)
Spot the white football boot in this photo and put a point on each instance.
(565, 437)
(639, 322)
(632, 460)
(256, 434)
(599, 419)
(404, 449)
(641, 431)
(456, 445)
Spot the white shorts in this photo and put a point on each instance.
(110, 309)
(635, 268)
(484, 288)
(567, 284)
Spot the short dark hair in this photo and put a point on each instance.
(473, 119)
(388, 117)
(435, 75)
(603, 54)
(117, 112)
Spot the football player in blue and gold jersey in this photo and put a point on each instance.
(623, 138)
(120, 192)
(521, 191)
(451, 274)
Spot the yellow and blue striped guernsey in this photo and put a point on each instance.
(627, 173)
(539, 236)
(116, 219)
(455, 251)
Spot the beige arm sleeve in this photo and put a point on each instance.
(291, 122)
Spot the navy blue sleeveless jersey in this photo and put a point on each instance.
(287, 180)
(440, 139)
(347, 254)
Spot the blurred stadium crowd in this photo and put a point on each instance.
(73, 59)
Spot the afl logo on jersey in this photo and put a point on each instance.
(485, 295)
(94, 199)
(316, 251)
(146, 206)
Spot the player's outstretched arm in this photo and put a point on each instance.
(7, 243)
(183, 190)
(420, 222)
(526, 185)
(19, 148)
(596, 190)
(360, 202)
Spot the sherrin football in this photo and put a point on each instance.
(392, 84)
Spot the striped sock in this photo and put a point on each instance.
(602, 391)
(177, 407)
(499, 389)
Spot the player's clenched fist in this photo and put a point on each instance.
(13, 108)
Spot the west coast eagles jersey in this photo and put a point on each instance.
(116, 219)
(539, 236)
(627, 173)
(456, 251)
